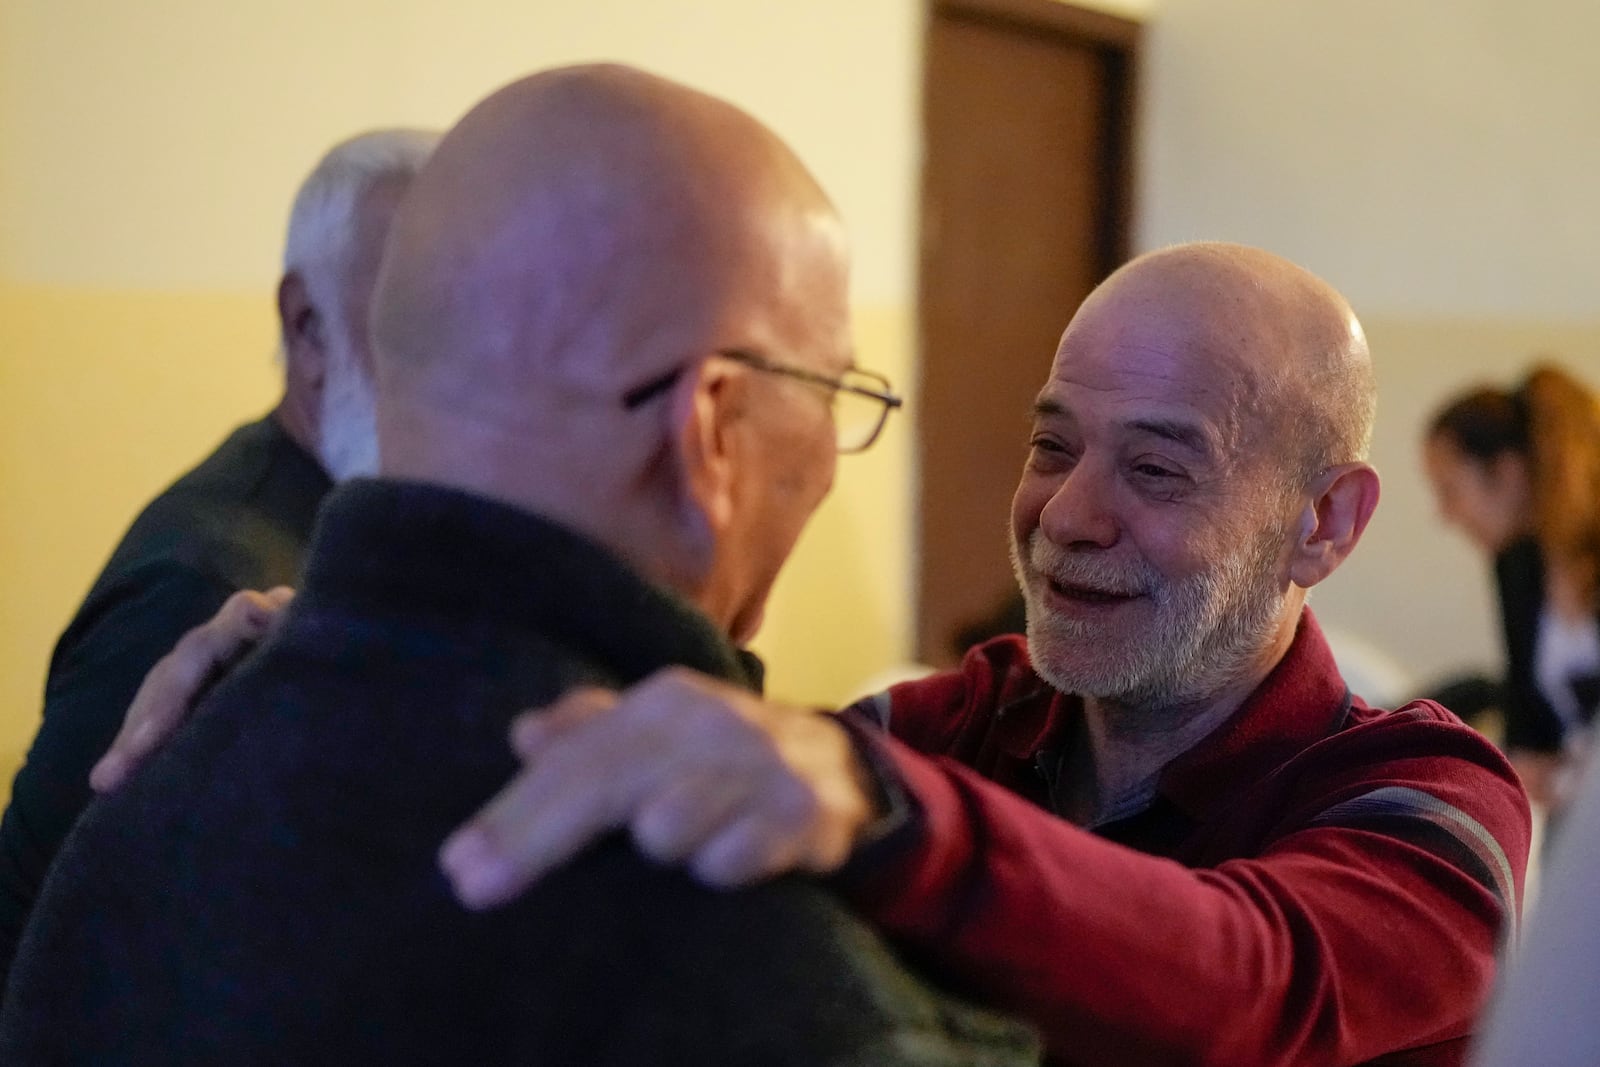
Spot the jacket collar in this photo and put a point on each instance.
(457, 560)
(1302, 700)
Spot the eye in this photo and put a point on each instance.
(1158, 478)
(1047, 452)
(1045, 443)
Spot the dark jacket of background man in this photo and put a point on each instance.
(239, 520)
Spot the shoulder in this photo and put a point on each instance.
(143, 609)
(183, 516)
(1425, 725)
(222, 481)
(1420, 775)
(1421, 739)
(243, 515)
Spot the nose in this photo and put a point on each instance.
(1079, 514)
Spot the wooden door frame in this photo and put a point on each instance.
(1115, 43)
(1117, 40)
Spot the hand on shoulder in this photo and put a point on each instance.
(699, 772)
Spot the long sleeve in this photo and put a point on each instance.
(1345, 906)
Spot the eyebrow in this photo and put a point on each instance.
(1180, 433)
(1185, 434)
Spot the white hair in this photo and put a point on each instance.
(322, 221)
(321, 249)
(347, 422)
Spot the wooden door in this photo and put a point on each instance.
(1025, 205)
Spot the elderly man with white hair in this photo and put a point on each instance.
(239, 520)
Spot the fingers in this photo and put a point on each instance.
(747, 851)
(698, 772)
(566, 796)
(168, 692)
(685, 815)
(792, 828)
(532, 730)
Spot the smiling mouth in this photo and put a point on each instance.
(1089, 595)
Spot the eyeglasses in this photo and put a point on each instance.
(861, 399)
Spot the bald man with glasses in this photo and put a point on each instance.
(601, 426)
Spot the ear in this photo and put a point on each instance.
(300, 323)
(699, 408)
(1342, 500)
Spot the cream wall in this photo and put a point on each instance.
(1431, 158)
(147, 156)
(1435, 159)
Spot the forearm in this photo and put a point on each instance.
(1292, 958)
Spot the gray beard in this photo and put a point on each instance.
(347, 434)
(1207, 630)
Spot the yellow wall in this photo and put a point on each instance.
(104, 397)
(147, 156)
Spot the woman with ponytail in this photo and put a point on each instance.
(1519, 473)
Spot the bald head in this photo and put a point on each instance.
(585, 228)
(1283, 340)
(557, 299)
(1195, 467)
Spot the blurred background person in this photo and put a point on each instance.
(241, 519)
(1518, 472)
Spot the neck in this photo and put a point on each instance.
(1129, 743)
(471, 453)
(610, 498)
(1124, 755)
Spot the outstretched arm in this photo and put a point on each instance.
(1357, 922)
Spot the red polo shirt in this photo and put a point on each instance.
(1317, 882)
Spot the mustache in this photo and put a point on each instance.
(1090, 571)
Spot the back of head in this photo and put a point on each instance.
(581, 228)
(1284, 338)
(579, 234)
(1483, 423)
